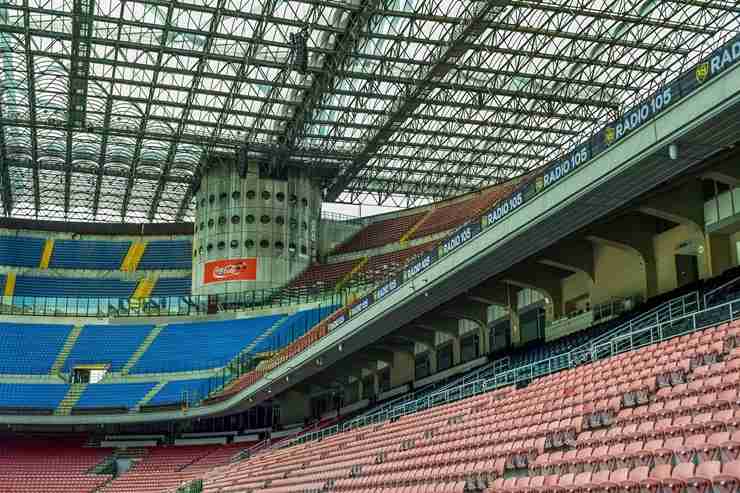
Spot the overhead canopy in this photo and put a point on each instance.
(109, 108)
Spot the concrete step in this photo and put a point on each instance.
(250, 347)
(70, 400)
(74, 334)
(142, 349)
(144, 400)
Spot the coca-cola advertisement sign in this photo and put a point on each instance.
(235, 269)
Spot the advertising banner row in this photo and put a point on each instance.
(719, 61)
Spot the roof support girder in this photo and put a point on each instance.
(147, 113)
(30, 69)
(344, 47)
(185, 114)
(475, 19)
(82, 11)
(234, 90)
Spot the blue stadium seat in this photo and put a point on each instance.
(114, 394)
(167, 254)
(21, 251)
(30, 348)
(175, 391)
(294, 327)
(179, 286)
(198, 346)
(88, 254)
(114, 344)
(42, 395)
(73, 287)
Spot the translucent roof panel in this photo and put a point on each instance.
(110, 108)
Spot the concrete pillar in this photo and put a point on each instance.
(682, 204)
(719, 252)
(493, 292)
(402, 371)
(544, 278)
(438, 322)
(295, 406)
(474, 310)
(416, 335)
(513, 307)
(573, 255)
(727, 172)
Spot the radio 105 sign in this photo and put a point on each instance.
(235, 269)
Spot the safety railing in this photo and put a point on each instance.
(613, 308)
(165, 306)
(637, 337)
(679, 306)
(709, 297)
(676, 307)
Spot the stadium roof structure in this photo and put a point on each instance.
(109, 108)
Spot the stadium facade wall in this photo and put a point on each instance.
(622, 268)
(666, 245)
(402, 369)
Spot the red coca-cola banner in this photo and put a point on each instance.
(235, 269)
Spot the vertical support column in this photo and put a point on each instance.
(513, 306)
(295, 406)
(720, 253)
(253, 231)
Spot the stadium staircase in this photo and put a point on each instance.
(133, 257)
(46, 254)
(355, 270)
(70, 400)
(408, 234)
(144, 288)
(74, 334)
(9, 287)
(249, 349)
(271, 330)
(148, 396)
(141, 349)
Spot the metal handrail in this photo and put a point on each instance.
(719, 288)
(638, 337)
(487, 371)
(170, 306)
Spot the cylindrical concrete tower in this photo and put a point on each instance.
(252, 233)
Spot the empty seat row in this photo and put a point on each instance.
(379, 233)
(26, 251)
(544, 429)
(30, 348)
(201, 345)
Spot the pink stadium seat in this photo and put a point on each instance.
(729, 479)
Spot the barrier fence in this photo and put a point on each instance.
(636, 336)
(165, 306)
